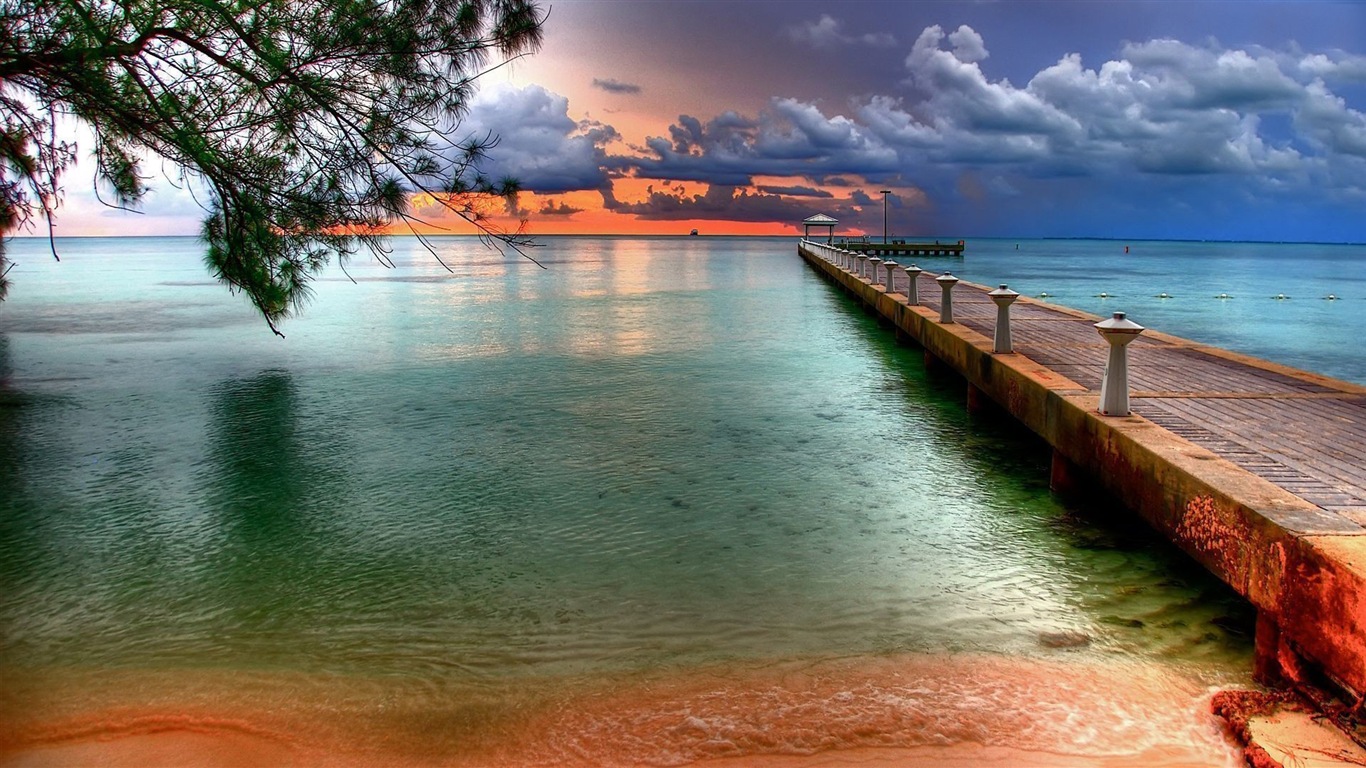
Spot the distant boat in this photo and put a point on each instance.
(692, 233)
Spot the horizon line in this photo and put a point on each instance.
(748, 236)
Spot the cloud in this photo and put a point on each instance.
(1163, 107)
(789, 138)
(551, 208)
(1163, 120)
(538, 143)
(961, 96)
(1183, 76)
(728, 203)
(718, 202)
(1330, 124)
(828, 32)
(795, 191)
(1151, 128)
(612, 85)
(968, 46)
(1336, 66)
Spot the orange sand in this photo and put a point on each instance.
(199, 750)
(891, 711)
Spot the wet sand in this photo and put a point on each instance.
(206, 751)
(966, 755)
(887, 711)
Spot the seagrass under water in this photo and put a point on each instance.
(449, 511)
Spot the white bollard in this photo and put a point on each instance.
(862, 262)
(1114, 387)
(1003, 297)
(946, 283)
(913, 284)
(890, 266)
(874, 270)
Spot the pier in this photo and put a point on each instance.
(1256, 470)
(901, 248)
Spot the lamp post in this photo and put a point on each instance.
(885, 192)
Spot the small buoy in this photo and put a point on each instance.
(1044, 295)
(1223, 296)
(1330, 297)
(1280, 297)
(1164, 295)
(1102, 295)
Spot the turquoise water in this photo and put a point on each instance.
(655, 455)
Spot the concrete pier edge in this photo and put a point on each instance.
(1305, 575)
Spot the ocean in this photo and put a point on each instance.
(666, 500)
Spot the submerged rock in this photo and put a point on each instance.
(1121, 621)
(1064, 639)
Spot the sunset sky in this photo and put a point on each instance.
(1207, 120)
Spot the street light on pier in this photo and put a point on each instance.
(885, 192)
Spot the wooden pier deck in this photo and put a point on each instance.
(1257, 470)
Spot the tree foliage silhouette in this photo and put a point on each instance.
(307, 126)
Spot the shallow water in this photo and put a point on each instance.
(452, 510)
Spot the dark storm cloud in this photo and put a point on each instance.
(787, 139)
(612, 85)
(551, 208)
(726, 203)
(538, 143)
(795, 191)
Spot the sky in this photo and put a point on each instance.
(1175, 119)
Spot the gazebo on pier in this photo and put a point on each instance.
(820, 220)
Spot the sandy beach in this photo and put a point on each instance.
(222, 751)
(890, 711)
